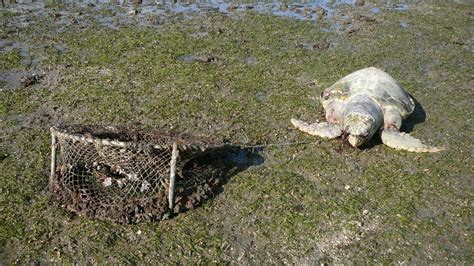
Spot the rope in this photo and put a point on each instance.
(277, 144)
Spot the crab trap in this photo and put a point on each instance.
(130, 175)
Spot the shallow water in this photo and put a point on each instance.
(302, 10)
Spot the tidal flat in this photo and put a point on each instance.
(239, 72)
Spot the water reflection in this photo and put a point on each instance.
(303, 10)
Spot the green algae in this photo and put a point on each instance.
(319, 202)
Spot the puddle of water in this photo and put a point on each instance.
(246, 157)
(151, 13)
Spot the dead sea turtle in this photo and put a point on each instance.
(362, 103)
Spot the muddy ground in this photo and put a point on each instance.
(239, 75)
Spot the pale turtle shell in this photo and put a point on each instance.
(371, 82)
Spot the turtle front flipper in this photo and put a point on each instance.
(324, 130)
(403, 141)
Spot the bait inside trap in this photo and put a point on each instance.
(131, 175)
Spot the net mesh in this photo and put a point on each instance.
(123, 174)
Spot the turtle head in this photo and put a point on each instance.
(362, 118)
(359, 127)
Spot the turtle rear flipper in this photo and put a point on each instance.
(324, 130)
(403, 141)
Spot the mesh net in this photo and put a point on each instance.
(124, 174)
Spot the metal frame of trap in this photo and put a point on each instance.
(55, 133)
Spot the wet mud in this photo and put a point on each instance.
(236, 72)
